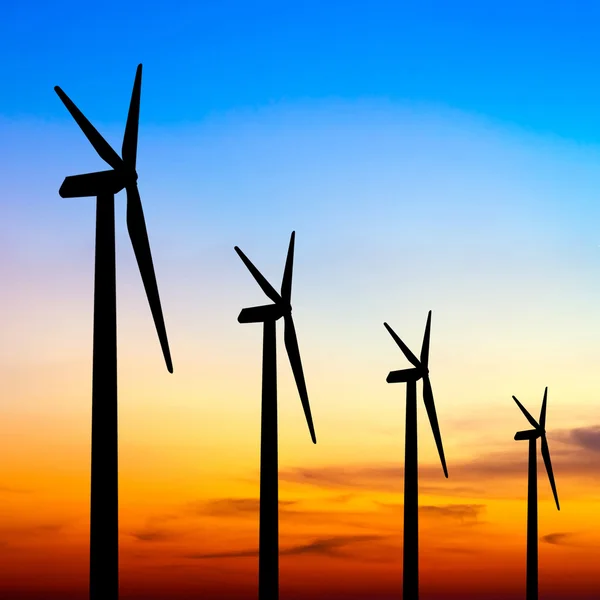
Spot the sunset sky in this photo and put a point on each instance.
(430, 156)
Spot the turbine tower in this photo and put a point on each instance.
(410, 576)
(104, 517)
(268, 544)
(538, 431)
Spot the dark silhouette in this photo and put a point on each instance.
(268, 544)
(104, 518)
(410, 577)
(539, 430)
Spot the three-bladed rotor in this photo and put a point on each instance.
(281, 307)
(539, 431)
(420, 371)
(122, 175)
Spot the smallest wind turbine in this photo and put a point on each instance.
(538, 431)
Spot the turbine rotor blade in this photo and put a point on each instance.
(91, 184)
(543, 411)
(291, 345)
(425, 346)
(130, 138)
(101, 146)
(265, 286)
(548, 463)
(286, 283)
(526, 413)
(136, 225)
(430, 406)
(405, 349)
(260, 314)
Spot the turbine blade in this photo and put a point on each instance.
(548, 463)
(409, 355)
(259, 314)
(403, 375)
(543, 411)
(286, 283)
(425, 346)
(91, 184)
(101, 146)
(291, 345)
(430, 406)
(130, 138)
(136, 225)
(265, 286)
(526, 413)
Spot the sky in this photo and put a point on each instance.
(429, 157)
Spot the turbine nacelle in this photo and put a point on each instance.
(260, 314)
(529, 434)
(404, 375)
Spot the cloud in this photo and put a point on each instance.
(153, 530)
(557, 539)
(331, 546)
(5, 489)
(232, 554)
(483, 471)
(460, 512)
(587, 438)
(231, 507)
(8, 534)
(569, 539)
(368, 477)
(155, 535)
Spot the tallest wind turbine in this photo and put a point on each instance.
(104, 517)
(410, 574)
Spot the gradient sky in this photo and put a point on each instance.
(429, 157)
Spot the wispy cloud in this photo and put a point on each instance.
(587, 438)
(9, 535)
(368, 477)
(331, 546)
(459, 512)
(232, 554)
(483, 471)
(569, 539)
(6, 489)
(231, 507)
(155, 531)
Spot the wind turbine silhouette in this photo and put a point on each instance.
(410, 576)
(268, 544)
(538, 431)
(104, 517)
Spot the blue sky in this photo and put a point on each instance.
(531, 64)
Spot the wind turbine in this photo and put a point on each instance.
(268, 544)
(410, 577)
(538, 431)
(104, 517)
